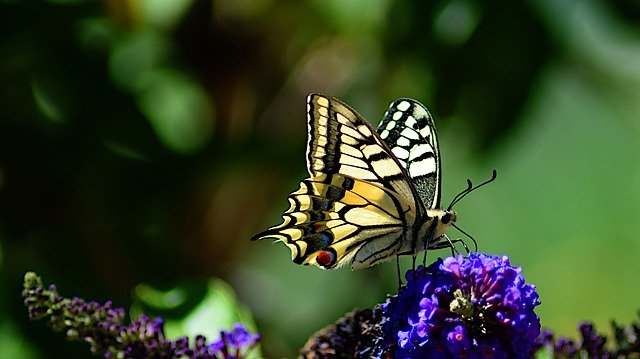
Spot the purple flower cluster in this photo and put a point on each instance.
(103, 328)
(591, 344)
(235, 344)
(475, 307)
(356, 335)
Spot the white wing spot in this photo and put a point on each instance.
(424, 167)
(426, 132)
(349, 140)
(384, 166)
(353, 162)
(403, 141)
(358, 173)
(400, 153)
(410, 133)
(349, 150)
(342, 118)
(419, 111)
(410, 122)
(322, 131)
(390, 125)
(384, 134)
(364, 130)
(323, 101)
(397, 116)
(420, 150)
(371, 151)
(350, 132)
(403, 106)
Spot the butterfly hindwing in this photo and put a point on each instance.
(408, 129)
(331, 217)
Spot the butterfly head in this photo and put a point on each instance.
(448, 217)
(441, 220)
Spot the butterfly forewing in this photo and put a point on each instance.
(408, 129)
(341, 141)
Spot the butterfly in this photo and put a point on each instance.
(370, 195)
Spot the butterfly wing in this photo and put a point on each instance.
(358, 204)
(408, 129)
(332, 217)
(340, 141)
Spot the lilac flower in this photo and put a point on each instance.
(476, 307)
(102, 326)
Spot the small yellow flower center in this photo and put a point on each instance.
(461, 305)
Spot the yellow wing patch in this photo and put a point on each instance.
(334, 215)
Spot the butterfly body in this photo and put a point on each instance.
(371, 195)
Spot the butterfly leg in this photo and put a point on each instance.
(447, 243)
(453, 242)
(463, 244)
(424, 258)
(398, 271)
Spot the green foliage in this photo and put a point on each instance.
(193, 309)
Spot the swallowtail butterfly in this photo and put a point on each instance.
(370, 196)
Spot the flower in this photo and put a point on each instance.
(592, 344)
(353, 336)
(102, 326)
(236, 343)
(478, 306)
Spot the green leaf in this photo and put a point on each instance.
(194, 308)
(543, 353)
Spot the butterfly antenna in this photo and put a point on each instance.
(461, 194)
(475, 244)
(470, 188)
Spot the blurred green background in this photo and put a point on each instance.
(146, 141)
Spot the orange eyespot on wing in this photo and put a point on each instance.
(326, 259)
